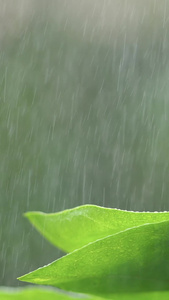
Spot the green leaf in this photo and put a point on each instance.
(135, 260)
(45, 294)
(75, 228)
(38, 294)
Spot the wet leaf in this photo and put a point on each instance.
(135, 260)
(75, 228)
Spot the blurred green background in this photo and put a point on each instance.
(84, 115)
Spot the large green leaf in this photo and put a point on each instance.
(38, 294)
(135, 260)
(74, 228)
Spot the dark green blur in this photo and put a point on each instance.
(81, 121)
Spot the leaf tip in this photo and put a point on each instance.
(20, 278)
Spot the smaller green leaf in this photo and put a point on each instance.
(74, 228)
(45, 294)
(32, 293)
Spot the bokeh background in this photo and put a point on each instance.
(84, 115)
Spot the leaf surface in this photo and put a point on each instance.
(135, 260)
(75, 228)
